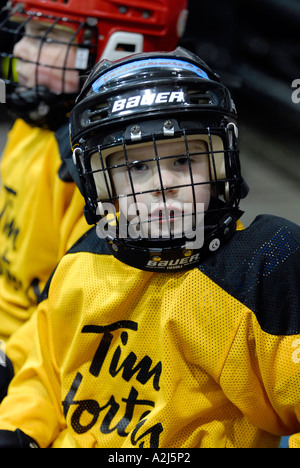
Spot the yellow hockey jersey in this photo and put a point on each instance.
(204, 358)
(41, 216)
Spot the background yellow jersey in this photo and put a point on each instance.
(41, 216)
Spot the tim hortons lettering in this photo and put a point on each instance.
(10, 246)
(110, 411)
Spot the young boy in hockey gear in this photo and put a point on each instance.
(164, 337)
(41, 210)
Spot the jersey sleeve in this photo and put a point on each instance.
(261, 372)
(33, 403)
(19, 344)
(261, 376)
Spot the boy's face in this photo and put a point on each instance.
(48, 53)
(162, 212)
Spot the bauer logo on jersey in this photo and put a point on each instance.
(149, 98)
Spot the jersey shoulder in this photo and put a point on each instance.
(88, 243)
(260, 267)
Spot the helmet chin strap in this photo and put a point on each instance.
(155, 255)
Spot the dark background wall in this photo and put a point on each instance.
(255, 47)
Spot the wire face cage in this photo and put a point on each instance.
(155, 190)
(63, 33)
(162, 194)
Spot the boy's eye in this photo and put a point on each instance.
(138, 166)
(182, 161)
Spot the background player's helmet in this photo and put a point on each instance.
(144, 100)
(101, 29)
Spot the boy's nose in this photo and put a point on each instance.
(165, 181)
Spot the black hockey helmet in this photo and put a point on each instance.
(150, 100)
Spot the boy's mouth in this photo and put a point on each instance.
(166, 214)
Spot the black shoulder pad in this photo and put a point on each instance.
(91, 243)
(63, 141)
